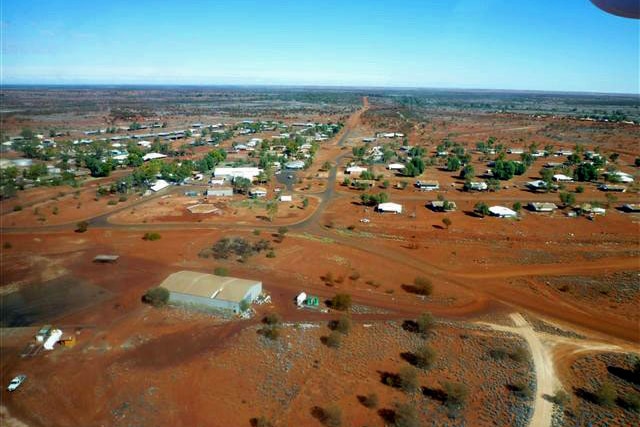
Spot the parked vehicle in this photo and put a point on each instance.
(15, 383)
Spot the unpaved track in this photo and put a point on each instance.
(546, 380)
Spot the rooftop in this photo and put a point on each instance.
(208, 285)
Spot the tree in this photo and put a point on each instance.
(453, 164)
(332, 416)
(305, 203)
(82, 226)
(585, 172)
(282, 231)
(341, 302)
(481, 208)
(241, 185)
(424, 357)
(334, 340)
(425, 323)
(467, 172)
(271, 319)
(567, 199)
(517, 206)
(156, 297)
(423, 285)
(151, 236)
(560, 398)
(637, 162)
(370, 400)
(272, 209)
(504, 170)
(446, 221)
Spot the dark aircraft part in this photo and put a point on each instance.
(625, 8)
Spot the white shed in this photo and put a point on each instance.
(502, 212)
(389, 207)
(159, 185)
(301, 298)
(284, 198)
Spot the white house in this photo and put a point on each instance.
(428, 185)
(242, 172)
(153, 156)
(257, 192)
(395, 166)
(502, 212)
(294, 164)
(515, 150)
(622, 176)
(355, 169)
(478, 185)
(159, 185)
(287, 198)
(562, 178)
(542, 206)
(389, 207)
(301, 298)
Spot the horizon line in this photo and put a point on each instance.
(312, 86)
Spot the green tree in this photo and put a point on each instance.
(467, 172)
(453, 164)
(446, 221)
(424, 357)
(341, 302)
(567, 199)
(585, 172)
(425, 323)
(241, 185)
(606, 394)
(156, 297)
(481, 208)
(272, 209)
(517, 206)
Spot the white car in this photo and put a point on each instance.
(15, 383)
(365, 220)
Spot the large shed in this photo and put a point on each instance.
(220, 292)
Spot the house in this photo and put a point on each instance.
(428, 185)
(542, 207)
(208, 290)
(564, 153)
(217, 181)
(295, 164)
(159, 185)
(286, 198)
(242, 172)
(395, 166)
(631, 207)
(369, 139)
(389, 207)
(443, 206)
(621, 176)
(502, 212)
(257, 192)
(219, 192)
(515, 151)
(594, 210)
(540, 185)
(478, 186)
(153, 156)
(355, 170)
(610, 187)
(562, 178)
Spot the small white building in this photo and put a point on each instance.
(294, 164)
(428, 185)
(395, 166)
(153, 156)
(542, 206)
(242, 172)
(502, 212)
(286, 198)
(515, 150)
(301, 298)
(562, 178)
(159, 185)
(257, 192)
(478, 185)
(389, 207)
(355, 170)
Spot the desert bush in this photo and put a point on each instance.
(423, 286)
(112, 202)
(406, 415)
(332, 416)
(341, 302)
(631, 401)
(334, 339)
(520, 355)
(343, 325)
(560, 398)
(271, 319)
(271, 332)
(370, 400)
(498, 353)
(425, 322)
(7, 245)
(55, 210)
(424, 357)
(271, 254)
(456, 394)
(354, 276)
(82, 226)
(408, 379)
(606, 394)
(447, 222)
(17, 208)
(261, 421)
(122, 198)
(256, 232)
(522, 390)
(151, 237)
(156, 297)
(220, 271)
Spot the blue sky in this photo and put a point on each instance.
(564, 45)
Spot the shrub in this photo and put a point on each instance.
(122, 198)
(151, 237)
(560, 398)
(423, 286)
(332, 416)
(17, 208)
(112, 202)
(606, 394)
(220, 271)
(481, 208)
(456, 394)
(271, 332)
(343, 325)
(271, 319)
(256, 232)
(370, 400)
(261, 421)
(334, 339)
(520, 355)
(425, 322)
(82, 226)
(341, 302)
(425, 356)
(447, 222)
(156, 297)
(579, 189)
(7, 245)
(517, 206)
(522, 390)
(55, 210)
(354, 276)
(498, 353)
(406, 415)
(271, 254)
(631, 401)
(408, 379)
(567, 199)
